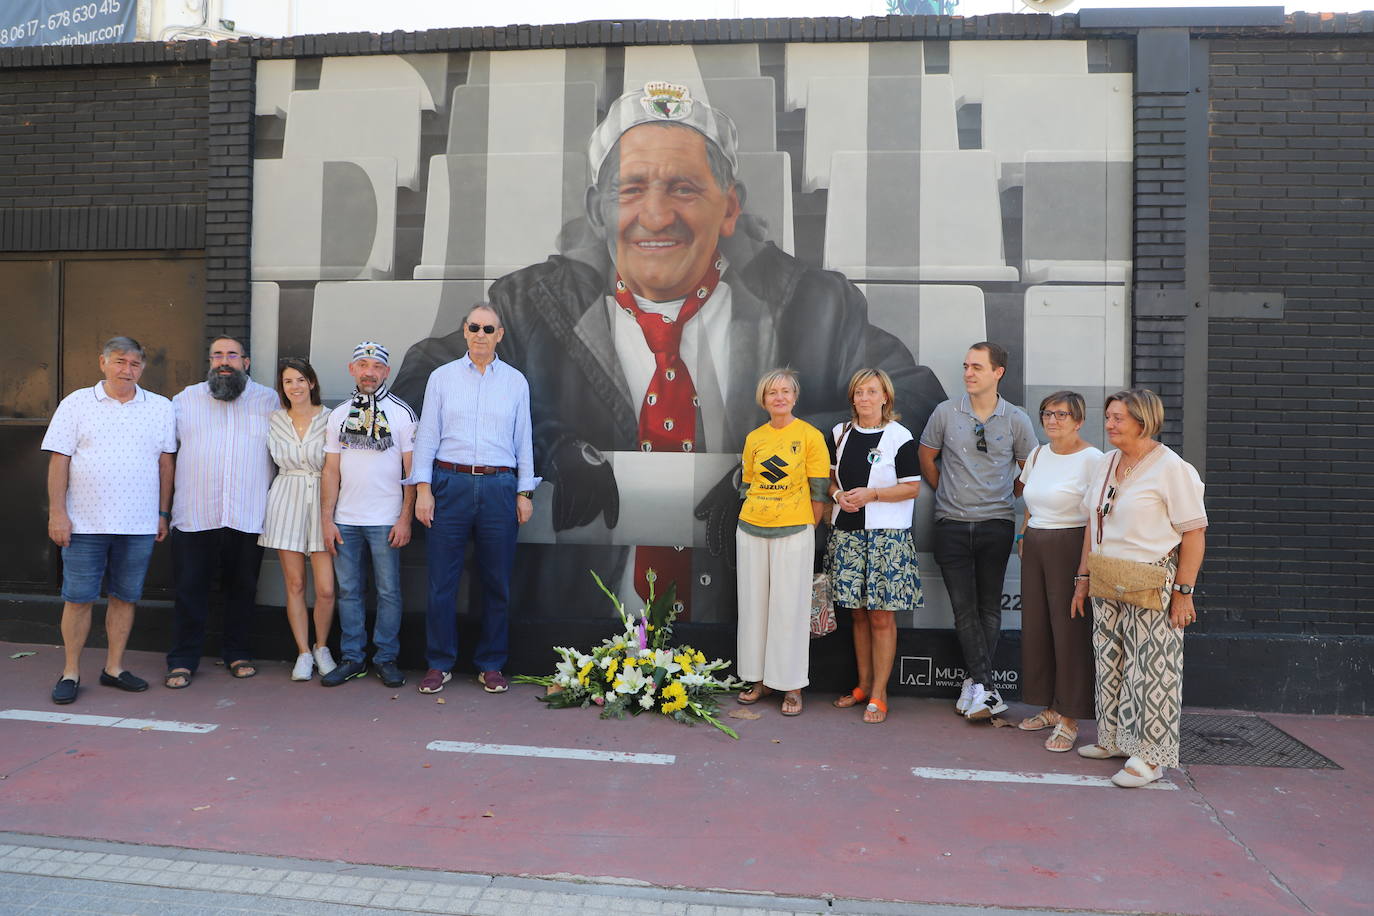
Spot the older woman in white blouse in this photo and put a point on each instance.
(1145, 505)
(1056, 645)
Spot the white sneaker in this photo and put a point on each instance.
(965, 695)
(305, 666)
(985, 704)
(323, 660)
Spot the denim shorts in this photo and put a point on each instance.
(88, 559)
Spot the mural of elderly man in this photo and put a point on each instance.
(647, 334)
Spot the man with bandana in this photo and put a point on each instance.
(366, 511)
(648, 333)
(223, 473)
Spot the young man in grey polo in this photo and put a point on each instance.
(981, 442)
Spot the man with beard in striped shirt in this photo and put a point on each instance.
(223, 473)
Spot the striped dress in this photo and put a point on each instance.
(293, 503)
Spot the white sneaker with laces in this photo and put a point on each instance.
(323, 660)
(985, 705)
(965, 695)
(305, 666)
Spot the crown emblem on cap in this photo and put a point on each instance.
(668, 101)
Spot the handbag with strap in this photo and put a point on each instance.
(822, 608)
(1115, 579)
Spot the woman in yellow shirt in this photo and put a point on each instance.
(785, 474)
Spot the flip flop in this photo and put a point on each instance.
(182, 674)
(753, 694)
(236, 669)
(793, 696)
(875, 708)
(852, 698)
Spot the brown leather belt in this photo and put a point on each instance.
(477, 469)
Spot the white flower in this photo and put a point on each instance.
(693, 680)
(663, 658)
(646, 701)
(610, 696)
(629, 680)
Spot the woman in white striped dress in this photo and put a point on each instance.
(295, 437)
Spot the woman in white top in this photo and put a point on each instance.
(875, 476)
(1056, 645)
(1145, 505)
(295, 438)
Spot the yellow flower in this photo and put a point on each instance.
(611, 669)
(685, 661)
(630, 661)
(583, 672)
(674, 698)
(699, 658)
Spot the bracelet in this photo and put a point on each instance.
(166, 515)
(1080, 578)
(1021, 537)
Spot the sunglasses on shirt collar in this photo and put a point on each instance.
(474, 327)
(982, 435)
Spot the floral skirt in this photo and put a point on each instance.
(874, 569)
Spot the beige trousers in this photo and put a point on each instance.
(775, 608)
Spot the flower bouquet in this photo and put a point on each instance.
(640, 670)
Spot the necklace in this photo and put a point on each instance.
(1126, 471)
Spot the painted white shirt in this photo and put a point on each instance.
(705, 344)
(112, 485)
(1055, 484)
(370, 490)
(223, 467)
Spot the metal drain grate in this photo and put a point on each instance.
(1245, 741)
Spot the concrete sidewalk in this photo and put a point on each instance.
(829, 813)
(51, 875)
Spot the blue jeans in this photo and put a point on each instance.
(119, 559)
(351, 575)
(973, 561)
(480, 507)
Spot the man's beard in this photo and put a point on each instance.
(226, 386)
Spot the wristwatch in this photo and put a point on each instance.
(528, 494)
(1183, 589)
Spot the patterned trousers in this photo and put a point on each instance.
(1139, 676)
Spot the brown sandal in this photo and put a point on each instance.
(852, 698)
(753, 694)
(792, 703)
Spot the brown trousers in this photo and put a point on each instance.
(1057, 667)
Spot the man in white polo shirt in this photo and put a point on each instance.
(366, 512)
(109, 489)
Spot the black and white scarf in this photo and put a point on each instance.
(366, 425)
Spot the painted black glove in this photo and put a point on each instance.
(583, 486)
(719, 508)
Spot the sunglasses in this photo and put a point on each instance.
(1107, 503)
(981, 433)
(474, 327)
(1060, 415)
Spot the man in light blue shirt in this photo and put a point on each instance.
(474, 471)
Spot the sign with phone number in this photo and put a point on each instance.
(28, 23)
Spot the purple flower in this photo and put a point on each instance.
(642, 633)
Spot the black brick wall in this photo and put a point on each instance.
(1292, 195)
(104, 157)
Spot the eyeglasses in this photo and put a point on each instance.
(1107, 503)
(981, 433)
(474, 327)
(1060, 415)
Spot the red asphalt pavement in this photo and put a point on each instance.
(821, 804)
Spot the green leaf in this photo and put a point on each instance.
(23, 654)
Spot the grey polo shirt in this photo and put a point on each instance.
(976, 486)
